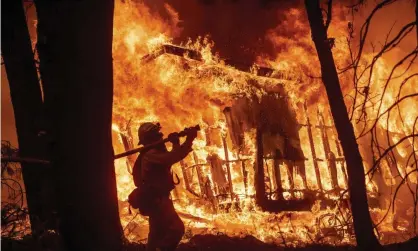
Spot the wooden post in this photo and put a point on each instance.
(234, 128)
(312, 145)
(290, 166)
(332, 167)
(127, 144)
(340, 155)
(269, 180)
(210, 195)
(278, 175)
(260, 190)
(245, 177)
(185, 175)
(207, 135)
(199, 175)
(228, 168)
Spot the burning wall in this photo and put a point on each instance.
(284, 114)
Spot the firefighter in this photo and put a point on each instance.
(156, 181)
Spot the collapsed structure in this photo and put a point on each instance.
(271, 170)
(266, 163)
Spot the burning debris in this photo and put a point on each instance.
(255, 162)
(264, 165)
(268, 161)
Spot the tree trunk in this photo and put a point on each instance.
(416, 18)
(27, 105)
(363, 226)
(75, 50)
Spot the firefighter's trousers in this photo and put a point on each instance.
(165, 226)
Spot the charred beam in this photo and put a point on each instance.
(276, 206)
(234, 128)
(340, 157)
(245, 177)
(312, 146)
(207, 135)
(278, 174)
(260, 190)
(199, 176)
(127, 144)
(268, 179)
(195, 55)
(228, 167)
(330, 156)
(185, 175)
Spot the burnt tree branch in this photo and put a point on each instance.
(363, 226)
(27, 103)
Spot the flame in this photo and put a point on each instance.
(180, 91)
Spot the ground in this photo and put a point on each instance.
(201, 243)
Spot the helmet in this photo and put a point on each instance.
(147, 129)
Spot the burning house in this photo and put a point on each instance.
(267, 161)
(252, 157)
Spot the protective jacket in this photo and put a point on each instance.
(152, 170)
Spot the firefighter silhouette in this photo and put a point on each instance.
(153, 177)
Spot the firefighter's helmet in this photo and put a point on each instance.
(146, 130)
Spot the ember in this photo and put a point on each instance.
(268, 162)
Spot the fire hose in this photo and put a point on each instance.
(147, 147)
(117, 156)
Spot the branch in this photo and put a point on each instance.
(329, 15)
(390, 149)
(25, 160)
(416, 18)
(365, 27)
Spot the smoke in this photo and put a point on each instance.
(238, 27)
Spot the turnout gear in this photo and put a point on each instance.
(154, 180)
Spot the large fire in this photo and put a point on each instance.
(188, 84)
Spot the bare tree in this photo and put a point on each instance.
(416, 18)
(75, 51)
(378, 140)
(27, 105)
(363, 226)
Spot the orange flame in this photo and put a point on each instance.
(179, 92)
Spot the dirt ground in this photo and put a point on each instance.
(200, 243)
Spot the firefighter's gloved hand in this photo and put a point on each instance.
(174, 138)
(191, 133)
